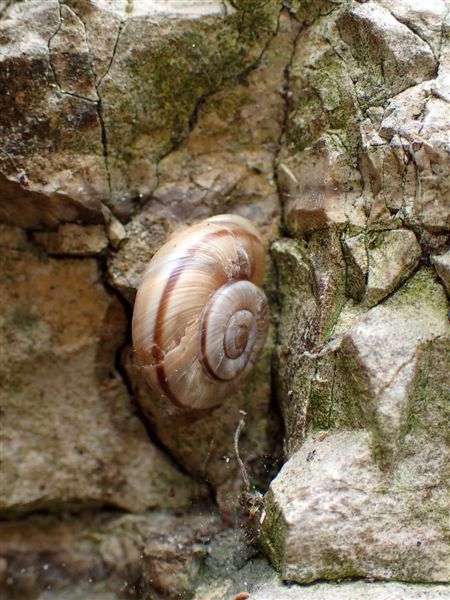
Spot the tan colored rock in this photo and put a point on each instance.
(73, 239)
(70, 437)
(442, 265)
(366, 134)
(311, 280)
(70, 57)
(114, 229)
(52, 162)
(422, 18)
(317, 189)
(401, 58)
(87, 106)
(382, 354)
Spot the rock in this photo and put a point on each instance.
(366, 111)
(70, 436)
(193, 184)
(332, 513)
(357, 260)
(390, 53)
(423, 19)
(114, 229)
(318, 188)
(378, 263)
(382, 353)
(104, 555)
(52, 162)
(357, 590)
(143, 236)
(88, 109)
(73, 239)
(442, 265)
(70, 58)
(311, 279)
(362, 494)
(392, 258)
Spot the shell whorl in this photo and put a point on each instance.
(200, 318)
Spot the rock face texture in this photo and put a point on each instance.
(326, 124)
(69, 435)
(363, 343)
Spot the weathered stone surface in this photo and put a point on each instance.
(442, 265)
(95, 94)
(105, 555)
(239, 127)
(77, 240)
(358, 590)
(378, 263)
(366, 136)
(311, 279)
(332, 513)
(368, 502)
(390, 56)
(52, 160)
(69, 433)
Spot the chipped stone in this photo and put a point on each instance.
(338, 515)
(392, 256)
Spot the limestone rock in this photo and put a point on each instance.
(88, 108)
(388, 344)
(388, 50)
(311, 278)
(366, 135)
(378, 263)
(70, 437)
(350, 503)
(423, 19)
(52, 162)
(143, 236)
(73, 239)
(193, 184)
(392, 257)
(332, 513)
(442, 265)
(319, 188)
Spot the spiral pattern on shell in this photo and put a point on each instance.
(200, 318)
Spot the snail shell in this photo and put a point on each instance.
(200, 319)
